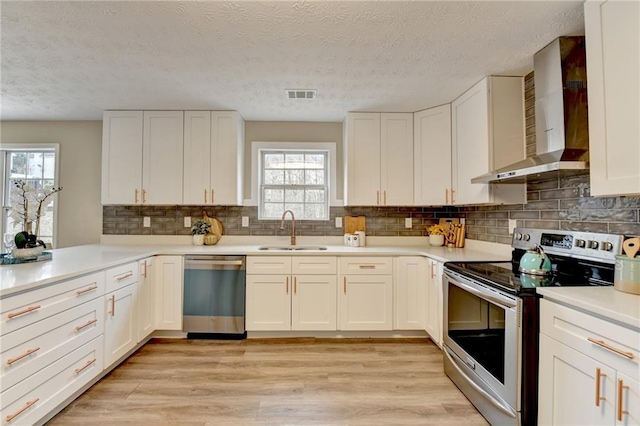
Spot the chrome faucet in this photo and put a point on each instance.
(293, 226)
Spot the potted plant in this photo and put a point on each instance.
(198, 229)
(436, 235)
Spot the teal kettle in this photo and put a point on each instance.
(535, 262)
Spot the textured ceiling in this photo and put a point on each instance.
(72, 60)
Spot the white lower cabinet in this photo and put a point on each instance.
(146, 299)
(409, 283)
(120, 326)
(285, 293)
(433, 315)
(365, 297)
(588, 369)
(168, 277)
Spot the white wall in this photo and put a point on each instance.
(79, 210)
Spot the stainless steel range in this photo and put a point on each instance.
(491, 317)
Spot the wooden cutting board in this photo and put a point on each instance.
(354, 223)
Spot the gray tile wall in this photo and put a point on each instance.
(558, 203)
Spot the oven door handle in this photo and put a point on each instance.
(498, 404)
(500, 301)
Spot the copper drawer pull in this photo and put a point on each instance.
(602, 344)
(24, 355)
(286, 289)
(367, 266)
(446, 195)
(433, 275)
(135, 196)
(122, 277)
(86, 290)
(87, 324)
(295, 285)
(452, 192)
(113, 305)
(378, 197)
(144, 275)
(213, 196)
(144, 196)
(22, 410)
(385, 197)
(205, 196)
(599, 376)
(345, 285)
(621, 387)
(24, 311)
(78, 370)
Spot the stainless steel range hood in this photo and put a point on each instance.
(562, 132)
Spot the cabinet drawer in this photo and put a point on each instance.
(49, 387)
(121, 276)
(269, 265)
(39, 344)
(366, 265)
(23, 309)
(612, 344)
(313, 265)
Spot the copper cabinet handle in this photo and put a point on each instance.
(122, 277)
(621, 387)
(385, 197)
(446, 195)
(286, 289)
(599, 376)
(295, 285)
(345, 285)
(452, 192)
(113, 305)
(367, 266)
(377, 197)
(135, 196)
(86, 290)
(24, 355)
(144, 275)
(144, 196)
(205, 196)
(605, 345)
(433, 275)
(213, 196)
(22, 410)
(78, 370)
(24, 311)
(86, 324)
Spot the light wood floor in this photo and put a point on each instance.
(276, 382)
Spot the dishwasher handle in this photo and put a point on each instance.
(203, 261)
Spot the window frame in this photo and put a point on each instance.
(7, 148)
(263, 186)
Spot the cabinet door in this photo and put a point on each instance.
(162, 157)
(268, 302)
(365, 302)
(396, 160)
(571, 392)
(433, 315)
(628, 398)
(197, 158)
(146, 299)
(612, 30)
(313, 303)
(122, 157)
(227, 158)
(362, 160)
(410, 282)
(432, 156)
(168, 274)
(120, 328)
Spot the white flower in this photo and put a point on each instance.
(27, 204)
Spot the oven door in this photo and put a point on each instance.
(482, 339)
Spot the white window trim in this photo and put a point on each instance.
(255, 165)
(32, 147)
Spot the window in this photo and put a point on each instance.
(37, 167)
(295, 180)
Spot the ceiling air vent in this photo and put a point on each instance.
(300, 94)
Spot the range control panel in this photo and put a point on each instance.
(587, 245)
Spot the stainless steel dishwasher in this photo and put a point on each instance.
(214, 297)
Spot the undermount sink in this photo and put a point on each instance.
(290, 248)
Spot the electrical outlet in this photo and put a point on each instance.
(146, 222)
(408, 222)
(338, 221)
(512, 225)
(245, 221)
(187, 222)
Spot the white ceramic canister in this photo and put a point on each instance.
(362, 238)
(627, 274)
(354, 241)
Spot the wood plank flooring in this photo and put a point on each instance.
(276, 382)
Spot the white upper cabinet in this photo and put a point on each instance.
(162, 146)
(432, 156)
(612, 30)
(121, 157)
(487, 133)
(378, 155)
(213, 157)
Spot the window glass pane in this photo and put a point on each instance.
(314, 177)
(295, 161)
(35, 165)
(294, 177)
(314, 161)
(49, 165)
(314, 211)
(314, 196)
(18, 165)
(297, 209)
(273, 195)
(273, 210)
(294, 195)
(274, 161)
(274, 177)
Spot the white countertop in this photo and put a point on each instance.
(74, 261)
(604, 301)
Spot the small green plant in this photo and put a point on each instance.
(200, 227)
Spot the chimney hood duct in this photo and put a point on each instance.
(562, 132)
